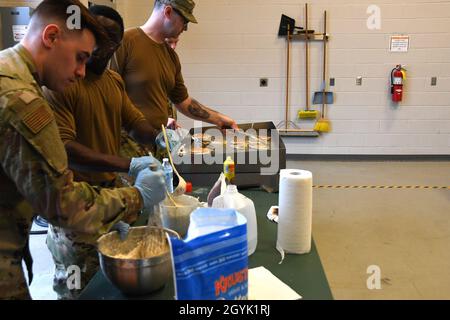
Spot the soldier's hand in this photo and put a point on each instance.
(152, 187)
(172, 124)
(227, 123)
(141, 163)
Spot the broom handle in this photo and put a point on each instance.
(307, 57)
(287, 76)
(324, 60)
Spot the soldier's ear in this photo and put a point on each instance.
(50, 35)
(168, 11)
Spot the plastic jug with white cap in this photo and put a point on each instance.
(232, 199)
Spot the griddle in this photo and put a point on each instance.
(248, 175)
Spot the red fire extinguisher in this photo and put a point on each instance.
(397, 77)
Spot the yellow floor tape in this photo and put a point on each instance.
(381, 187)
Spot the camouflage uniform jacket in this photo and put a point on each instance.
(34, 174)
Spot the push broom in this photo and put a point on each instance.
(323, 124)
(307, 113)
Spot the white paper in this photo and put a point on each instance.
(399, 43)
(19, 32)
(272, 214)
(263, 285)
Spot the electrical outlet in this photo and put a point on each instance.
(359, 81)
(332, 82)
(263, 82)
(433, 81)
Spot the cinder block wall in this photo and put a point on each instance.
(235, 44)
(18, 3)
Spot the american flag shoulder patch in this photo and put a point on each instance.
(37, 119)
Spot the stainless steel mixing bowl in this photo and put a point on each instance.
(134, 276)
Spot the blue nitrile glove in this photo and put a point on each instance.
(122, 228)
(141, 163)
(152, 187)
(173, 138)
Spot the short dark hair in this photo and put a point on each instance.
(159, 3)
(108, 12)
(56, 11)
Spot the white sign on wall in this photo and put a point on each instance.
(399, 44)
(19, 32)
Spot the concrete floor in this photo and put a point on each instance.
(406, 232)
(41, 288)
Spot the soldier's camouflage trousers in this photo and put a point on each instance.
(72, 250)
(67, 254)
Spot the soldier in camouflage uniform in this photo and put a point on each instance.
(129, 148)
(34, 175)
(104, 146)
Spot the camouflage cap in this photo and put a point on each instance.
(185, 7)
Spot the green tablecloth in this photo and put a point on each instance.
(303, 273)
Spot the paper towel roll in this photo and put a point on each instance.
(295, 211)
